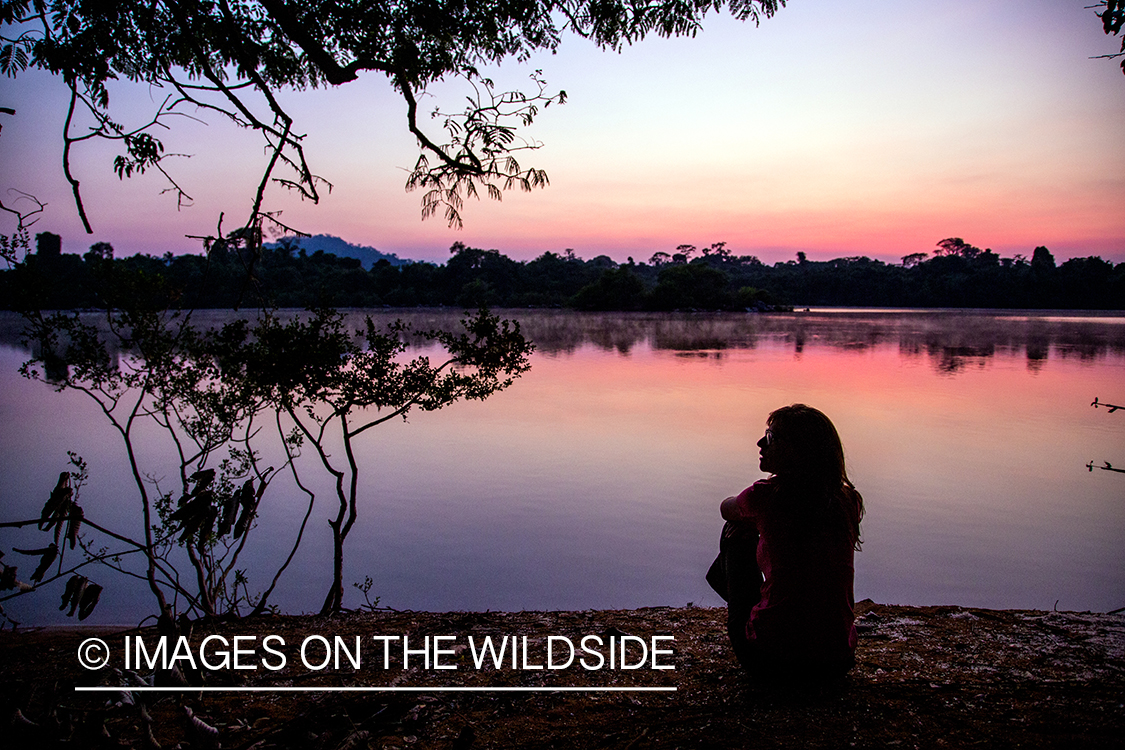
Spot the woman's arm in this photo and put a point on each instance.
(745, 506)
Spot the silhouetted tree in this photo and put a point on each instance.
(615, 289)
(151, 374)
(1042, 261)
(209, 394)
(957, 246)
(1113, 20)
(692, 287)
(332, 386)
(683, 253)
(973, 277)
(237, 58)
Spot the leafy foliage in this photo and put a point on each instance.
(334, 385)
(234, 57)
(1113, 20)
(480, 150)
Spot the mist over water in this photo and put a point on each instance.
(594, 481)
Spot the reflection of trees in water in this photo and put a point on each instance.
(953, 359)
(950, 340)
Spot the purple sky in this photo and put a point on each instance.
(848, 128)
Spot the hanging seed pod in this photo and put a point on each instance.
(194, 514)
(205, 526)
(202, 479)
(233, 503)
(76, 599)
(207, 511)
(55, 509)
(89, 600)
(181, 511)
(49, 555)
(7, 577)
(74, 524)
(250, 502)
(68, 593)
(243, 522)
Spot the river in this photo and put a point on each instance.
(594, 481)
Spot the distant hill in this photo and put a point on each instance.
(327, 243)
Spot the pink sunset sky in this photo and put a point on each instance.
(846, 128)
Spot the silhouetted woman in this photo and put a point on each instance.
(786, 555)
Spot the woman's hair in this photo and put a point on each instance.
(814, 462)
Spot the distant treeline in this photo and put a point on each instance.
(955, 275)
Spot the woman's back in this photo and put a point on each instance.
(806, 605)
(786, 559)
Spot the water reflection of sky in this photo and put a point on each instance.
(594, 481)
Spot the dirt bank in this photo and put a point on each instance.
(946, 677)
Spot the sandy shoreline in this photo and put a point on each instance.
(926, 677)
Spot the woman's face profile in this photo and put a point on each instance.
(768, 453)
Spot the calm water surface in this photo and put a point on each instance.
(594, 482)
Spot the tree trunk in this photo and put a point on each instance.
(334, 601)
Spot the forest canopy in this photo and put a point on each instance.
(955, 274)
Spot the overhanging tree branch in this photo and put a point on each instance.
(270, 45)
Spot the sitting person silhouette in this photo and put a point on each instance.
(785, 564)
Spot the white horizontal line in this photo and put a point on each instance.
(373, 689)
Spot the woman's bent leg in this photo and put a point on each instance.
(741, 581)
